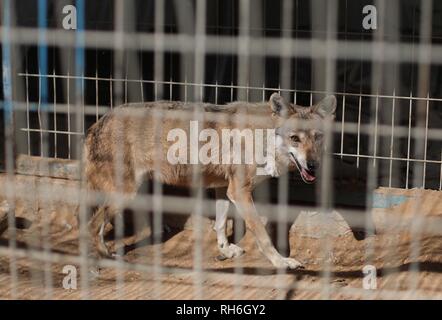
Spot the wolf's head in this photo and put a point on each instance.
(298, 145)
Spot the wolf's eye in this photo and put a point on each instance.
(295, 138)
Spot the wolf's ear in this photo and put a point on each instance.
(279, 106)
(326, 107)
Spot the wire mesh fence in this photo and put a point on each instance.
(94, 193)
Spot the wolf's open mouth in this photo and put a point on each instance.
(306, 175)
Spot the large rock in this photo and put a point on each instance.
(314, 224)
(4, 208)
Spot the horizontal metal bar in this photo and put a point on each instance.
(62, 258)
(59, 168)
(350, 127)
(69, 193)
(230, 86)
(61, 108)
(260, 46)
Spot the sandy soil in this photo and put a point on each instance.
(248, 277)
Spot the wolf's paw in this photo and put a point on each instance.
(231, 250)
(288, 263)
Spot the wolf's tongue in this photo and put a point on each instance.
(307, 176)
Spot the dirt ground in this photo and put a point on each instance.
(248, 277)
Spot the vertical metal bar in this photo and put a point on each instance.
(263, 92)
(326, 186)
(330, 85)
(420, 150)
(83, 107)
(157, 185)
(392, 137)
(248, 91)
(155, 88)
(324, 75)
(216, 92)
(359, 132)
(410, 110)
(111, 93)
(79, 70)
(119, 31)
(440, 179)
(201, 92)
(372, 170)
(65, 62)
(125, 82)
(243, 74)
(200, 35)
(283, 181)
(256, 63)
(28, 133)
(141, 82)
(43, 69)
(342, 126)
(170, 89)
(185, 89)
(243, 48)
(231, 91)
(40, 125)
(68, 101)
(427, 112)
(54, 83)
(186, 26)
(96, 92)
(375, 142)
(9, 127)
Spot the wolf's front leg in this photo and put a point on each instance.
(241, 196)
(228, 250)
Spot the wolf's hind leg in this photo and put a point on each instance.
(96, 228)
(228, 250)
(101, 245)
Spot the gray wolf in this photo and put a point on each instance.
(130, 144)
